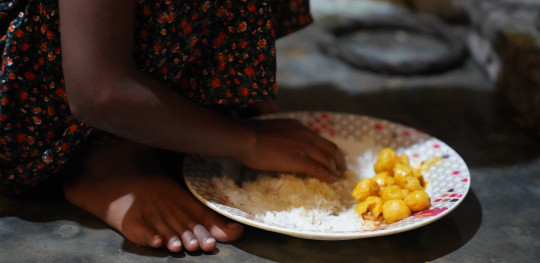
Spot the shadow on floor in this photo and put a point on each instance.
(420, 245)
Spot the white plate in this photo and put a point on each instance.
(448, 181)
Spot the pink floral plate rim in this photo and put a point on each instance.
(449, 182)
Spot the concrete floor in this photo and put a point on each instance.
(497, 222)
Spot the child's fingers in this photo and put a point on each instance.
(325, 151)
(297, 150)
(330, 152)
(295, 130)
(326, 159)
(315, 168)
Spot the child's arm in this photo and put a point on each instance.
(105, 90)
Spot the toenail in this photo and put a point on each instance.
(156, 240)
(210, 240)
(193, 242)
(176, 243)
(233, 225)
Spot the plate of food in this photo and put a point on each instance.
(305, 207)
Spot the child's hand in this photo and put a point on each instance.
(287, 145)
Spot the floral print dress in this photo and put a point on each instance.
(212, 52)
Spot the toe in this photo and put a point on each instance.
(170, 238)
(219, 227)
(206, 241)
(225, 231)
(174, 244)
(154, 241)
(141, 234)
(190, 241)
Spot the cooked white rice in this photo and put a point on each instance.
(305, 203)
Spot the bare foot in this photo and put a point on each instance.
(123, 185)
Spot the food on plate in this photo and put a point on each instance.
(396, 190)
(372, 204)
(417, 200)
(392, 192)
(383, 179)
(395, 210)
(353, 203)
(365, 188)
(295, 201)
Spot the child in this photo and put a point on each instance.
(91, 88)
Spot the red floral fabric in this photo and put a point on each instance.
(213, 52)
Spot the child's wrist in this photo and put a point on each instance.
(247, 144)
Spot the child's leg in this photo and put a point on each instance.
(123, 184)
